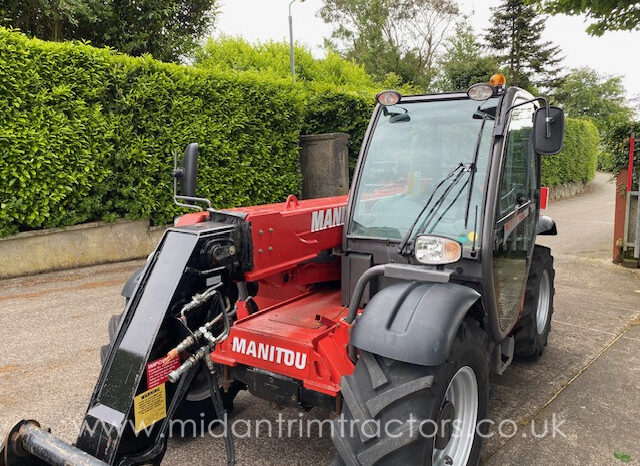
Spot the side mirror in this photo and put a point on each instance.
(187, 174)
(548, 130)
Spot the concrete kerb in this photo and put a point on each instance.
(77, 246)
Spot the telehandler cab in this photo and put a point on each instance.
(390, 305)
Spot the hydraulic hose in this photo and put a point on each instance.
(220, 410)
(359, 290)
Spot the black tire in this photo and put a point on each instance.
(112, 328)
(199, 410)
(390, 393)
(530, 340)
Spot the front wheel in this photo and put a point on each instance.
(532, 331)
(410, 414)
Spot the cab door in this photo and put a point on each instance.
(515, 220)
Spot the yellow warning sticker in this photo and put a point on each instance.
(150, 407)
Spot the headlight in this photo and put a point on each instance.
(436, 250)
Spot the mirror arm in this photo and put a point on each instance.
(548, 119)
(176, 200)
(177, 173)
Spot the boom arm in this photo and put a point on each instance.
(287, 234)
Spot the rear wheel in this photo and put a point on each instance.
(532, 331)
(197, 404)
(419, 415)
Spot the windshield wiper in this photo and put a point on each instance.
(469, 168)
(452, 173)
(474, 169)
(440, 202)
(457, 196)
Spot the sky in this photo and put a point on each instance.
(260, 20)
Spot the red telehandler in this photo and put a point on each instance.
(390, 306)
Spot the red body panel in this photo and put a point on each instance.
(193, 217)
(632, 143)
(283, 234)
(297, 331)
(302, 338)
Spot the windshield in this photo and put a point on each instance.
(413, 147)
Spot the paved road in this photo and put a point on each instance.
(590, 374)
(53, 325)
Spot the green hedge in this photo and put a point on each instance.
(87, 134)
(578, 159)
(273, 59)
(337, 94)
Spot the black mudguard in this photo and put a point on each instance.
(546, 226)
(413, 322)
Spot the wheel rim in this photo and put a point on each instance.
(544, 295)
(462, 392)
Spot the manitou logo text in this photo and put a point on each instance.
(270, 353)
(323, 219)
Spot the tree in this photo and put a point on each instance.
(516, 36)
(47, 19)
(387, 36)
(585, 93)
(608, 15)
(635, 103)
(464, 62)
(166, 29)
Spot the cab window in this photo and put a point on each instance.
(519, 175)
(515, 220)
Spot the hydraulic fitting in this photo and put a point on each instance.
(187, 365)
